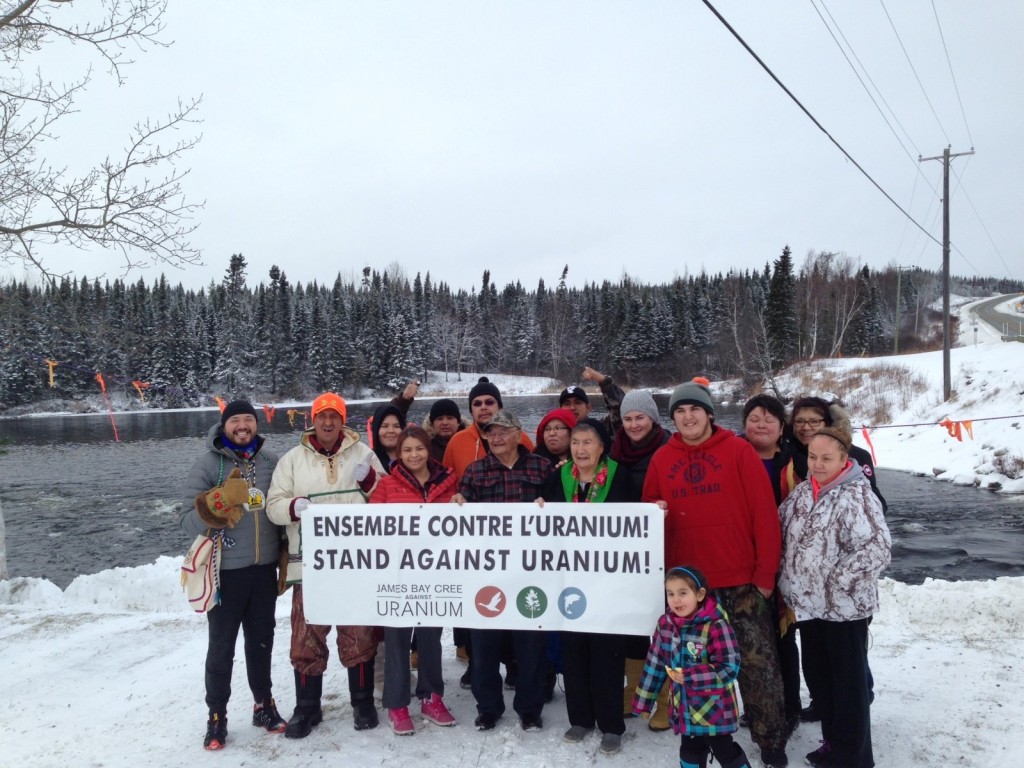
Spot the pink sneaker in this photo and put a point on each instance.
(400, 721)
(435, 711)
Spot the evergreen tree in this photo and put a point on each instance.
(236, 359)
(780, 312)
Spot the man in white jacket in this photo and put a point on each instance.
(329, 466)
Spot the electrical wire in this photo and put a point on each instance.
(984, 228)
(866, 74)
(951, 75)
(912, 69)
(812, 118)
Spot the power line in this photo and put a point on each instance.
(813, 119)
(868, 75)
(952, 76)
(959, 181)
(839, 45)
(912, 69)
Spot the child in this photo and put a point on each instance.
(696, 647)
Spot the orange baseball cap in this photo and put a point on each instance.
(329, 401)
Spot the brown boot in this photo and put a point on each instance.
(634, 671)
(659, 720)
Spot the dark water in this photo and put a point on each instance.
(76, 502)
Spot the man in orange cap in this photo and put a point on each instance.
(332, 466)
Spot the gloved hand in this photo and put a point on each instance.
(300, 505)
(362, 469)
(224, 504)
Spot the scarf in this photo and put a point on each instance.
(626, 452)
(598, 490)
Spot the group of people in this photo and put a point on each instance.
(779, 528)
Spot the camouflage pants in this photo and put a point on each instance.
(753, 619)
(309, 650)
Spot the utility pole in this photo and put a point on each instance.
(945, 157)
(896, 334)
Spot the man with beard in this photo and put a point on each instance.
(235, 470)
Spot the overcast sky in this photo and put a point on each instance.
(615, 137)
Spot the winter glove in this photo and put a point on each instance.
(224, 504)
(299, 506)
(362, 469)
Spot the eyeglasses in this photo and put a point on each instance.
(553, 428)
(814, 423)
(490, 401)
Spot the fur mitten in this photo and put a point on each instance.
(223, 504)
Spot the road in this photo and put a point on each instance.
(1004, 322)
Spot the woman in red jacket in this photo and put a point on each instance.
(415, 478)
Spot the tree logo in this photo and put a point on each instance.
(572, 603)
(532, 602)
(490, 602)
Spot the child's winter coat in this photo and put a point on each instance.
(705, 646)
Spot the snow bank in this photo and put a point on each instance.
(110, 672)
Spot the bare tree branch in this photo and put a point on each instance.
(132, 202)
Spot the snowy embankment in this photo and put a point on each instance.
(110, 672)
(898, 399)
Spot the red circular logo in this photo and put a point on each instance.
(490, 602)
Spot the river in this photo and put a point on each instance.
(77, 502)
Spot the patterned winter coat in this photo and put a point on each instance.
(835, 544)
(706, 647)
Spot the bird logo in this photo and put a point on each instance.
(490, 601)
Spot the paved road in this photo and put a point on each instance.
(1001, 321)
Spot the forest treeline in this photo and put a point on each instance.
(278, 340)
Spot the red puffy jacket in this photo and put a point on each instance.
(400, 487)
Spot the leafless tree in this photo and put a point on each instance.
(130, 202)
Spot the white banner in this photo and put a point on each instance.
(574, 567)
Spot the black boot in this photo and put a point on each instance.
(740, 760)
(693, 754)
(307, 706)
(360, 687)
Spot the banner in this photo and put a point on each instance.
(570, 567)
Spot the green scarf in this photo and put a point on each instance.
(598, 490)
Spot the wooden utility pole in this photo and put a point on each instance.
(945, 157)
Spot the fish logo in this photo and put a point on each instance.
(490, 601)
(572, 603)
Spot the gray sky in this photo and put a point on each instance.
(613, 137)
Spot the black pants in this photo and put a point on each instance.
(486, 674)
(693, 750)
(835, 666)
(789, 665)
(593, 667)
(248, 597)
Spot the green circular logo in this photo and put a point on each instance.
(532, 602)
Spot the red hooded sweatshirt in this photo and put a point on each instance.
(721, 509)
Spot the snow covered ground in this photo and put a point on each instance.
(110, 673)
(987, 380)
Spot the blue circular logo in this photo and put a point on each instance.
(572, 603)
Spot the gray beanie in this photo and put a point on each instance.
(642, 401)
(691, 393)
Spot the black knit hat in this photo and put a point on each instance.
(444, 407)
(484, 387)
(236, 407)
(599, 428)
